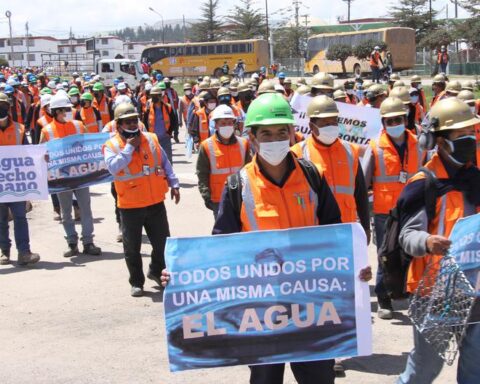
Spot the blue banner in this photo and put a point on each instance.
(465, 248)
(267, 297)
(76, 162)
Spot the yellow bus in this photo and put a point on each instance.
(400, 42)
(200, 59)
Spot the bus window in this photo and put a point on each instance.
(189, 51)
(211, 49)
(195, 50)
(203, 49)
(227, 49)
(180, 51)
(106, 67)
(234, 48)
(242, 48)
(220, 48)
(250, 47)
(173, 51)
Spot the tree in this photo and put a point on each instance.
(363, 50)
(469, 29)
(247, 22)
(414, 14)
(209, 28)
(435, 39)
(3, 62)
(339, 52)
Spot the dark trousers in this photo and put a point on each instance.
(375, 74)
(117, 211)
(379, 222)
(311, 372)
(443, 67)
(154, 220)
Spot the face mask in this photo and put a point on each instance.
(211, 106)
(396, 131)
(234, 94)
(188, 93)
(226, 132)
(350, 91)
(419, 86)
(275, 151)
(463, 149)
(472, 108)
(155, 99)
(74, 99)
(3, 113)
(414, 99)
(328, 134)
(167, 85)
(360, 94)
(68, 116)
(127, 134)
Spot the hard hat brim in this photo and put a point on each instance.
(133, 114)
(272, 121)
(321, 86)
(463, 124)
(393, 114)
(325, 114)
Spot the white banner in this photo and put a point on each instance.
(357, 124)
(23, 173)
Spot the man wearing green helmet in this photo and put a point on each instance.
(103, 103)
(89, 115)
(74, 95)
(263, 195)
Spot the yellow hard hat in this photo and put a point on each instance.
(322, 106)
(402, 93)
(391, 107)
(125, 110)
(322, 81)
(339, 94)
(215, 83)
(398, 83)
(223, 91)
(453, 87)
(466, 96)
(204, 85)
(394, 77)
(267, 86)
(415, 79)
(439, 79)
(451, 113)
(303, 89)
(468, 85)
(4, 98)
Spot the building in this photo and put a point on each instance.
(27, 56)
(133, 50)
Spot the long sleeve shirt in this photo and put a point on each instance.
(117, 162)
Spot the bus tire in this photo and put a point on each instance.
(316, 69)
(357, 70)
(218, 72)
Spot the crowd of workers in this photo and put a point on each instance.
(252, 166)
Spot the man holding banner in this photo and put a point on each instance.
(277, 191)
(13, 133)
(61, 126)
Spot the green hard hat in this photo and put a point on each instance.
(97, 87)
(161, 85)
(269, 109)
(87, 96)
(73, 91)
(45, 90)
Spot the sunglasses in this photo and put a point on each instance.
(64, 109)
(130, 121)
(394, 120)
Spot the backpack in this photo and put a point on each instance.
(391, 257)
(234, 183)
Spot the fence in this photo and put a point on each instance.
(291, 66)
(61, 64)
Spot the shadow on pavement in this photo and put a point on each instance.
(378, 363)
(48, 265)
(187, 185)
(84, 259)
(156, 296)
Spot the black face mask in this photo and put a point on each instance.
(3, 113)
(463, 149)
(155, 99)
(249, 96)
(167, 85)
(129, 134)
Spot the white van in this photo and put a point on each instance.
(110, 69)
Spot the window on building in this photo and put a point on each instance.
(60, 49)
(31, 42)
(105, 41)
(15, 56)
(15, 42)
(31, 57)
(104, 53)
(2, 43)
(130, 46)
(73, 49)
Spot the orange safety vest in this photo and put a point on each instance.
(419, 113)
(102, 107)
(203, 129)
(339, 164)
(477, 107)
(449, 208)
(13, 134)
(442, 57)
(436, 98)
(374, 59)
(112, 126)
(225, 160)
(422, 99)
(57, 130)
(166, 109)
(136, 186)
(266, 206)
(186, 102)
(35, 93)
(18, 111)
(386, 184)
(89, 119)
(477, 135)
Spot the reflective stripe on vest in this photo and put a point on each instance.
(248, 201)
(214, 170)
(126, 170)
(383, 178)
(18, 133)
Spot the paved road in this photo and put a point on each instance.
(73, 321)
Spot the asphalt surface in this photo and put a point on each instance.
(73, 320)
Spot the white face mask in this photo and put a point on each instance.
(211, 106)
(188, 93)
(472, 108)
(350, 91)
(68, 116)
(328, 134)
(414, 99)
(396, 131)
(4, 119)
(226, 132)
(274, 152)
(234, 94)
(419, 86)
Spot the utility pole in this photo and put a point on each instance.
(296, 3)
(268, 32)
(184, 31)
(9, 15)
(430, 11)
(28, 45)
(349, 2)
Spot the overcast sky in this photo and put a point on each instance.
(54, 17)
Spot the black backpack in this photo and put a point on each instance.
(392, 258)
(234, 184)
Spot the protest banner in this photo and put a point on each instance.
(76, 162)
(23, 173)
(357, 124)
(267, 297)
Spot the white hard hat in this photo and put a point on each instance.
(148, 86)
(279, 87)
(51, 84)
(377, 48)
(58, 86)
(92, 74)
(121, 86)
(60, 100)
(11, 81)
(255, 76)
(2, 85)
(96, 78)
(75, 74)
(223, 112)
(65, 84)
(120, 99)
(45, 99)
